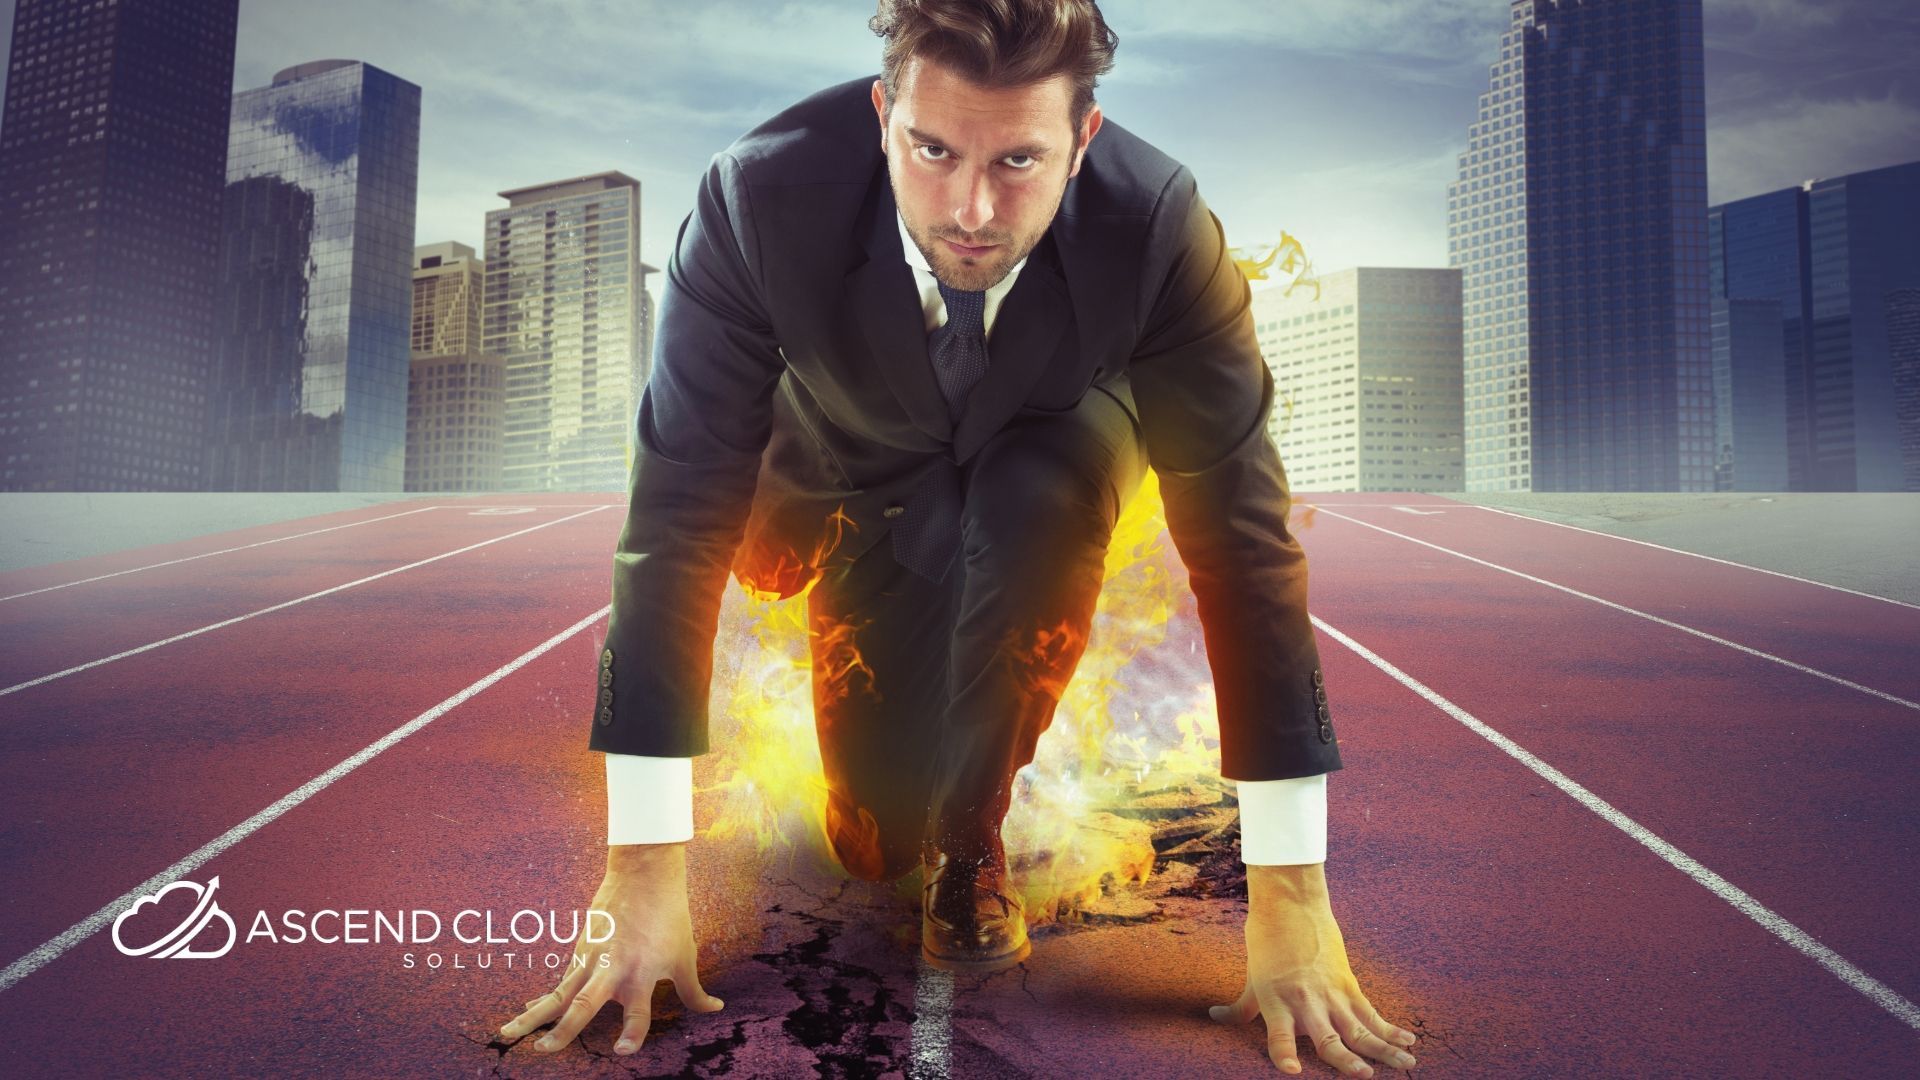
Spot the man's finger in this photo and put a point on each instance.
(1361, 1037)
(584, 1007)
(540, 1010)
(1331, 1045)
(1386, 1029)
(686, 983)
(548, 1005)
(639, 1019)
(1280, 1041)
(1242, 1010)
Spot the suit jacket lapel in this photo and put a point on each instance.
(883, 299)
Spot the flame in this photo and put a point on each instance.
(1137, 713)
(789, 575)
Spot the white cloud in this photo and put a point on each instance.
(1384, 209)
(1436, 29)
(1847, 135)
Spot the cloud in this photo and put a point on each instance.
(1744, 23)
(1435, 29)
(516, 95)
(1842, 135)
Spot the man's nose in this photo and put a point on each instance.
(975, 206)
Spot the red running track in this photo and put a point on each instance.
(1522, 932)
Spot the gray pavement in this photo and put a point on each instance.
(50, 527)
(1869, 541)
(1866, 541)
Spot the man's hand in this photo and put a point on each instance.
(645, 891)
(1298, 978)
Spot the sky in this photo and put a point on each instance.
(1339, 121)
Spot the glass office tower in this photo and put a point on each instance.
(562, 305)
(1835, 255)
(456, 404)
(1366, 374)
(311, 358)
(1578, 223)
(1903, 349)
(1749, 396)
(112, 158)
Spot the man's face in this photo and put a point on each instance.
(978, 173)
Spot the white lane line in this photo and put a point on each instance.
(1876, 991)
(91, 925)
(1749, 650)
(931, 1050)
(285, 604)
(1697, 555)
(211, 554)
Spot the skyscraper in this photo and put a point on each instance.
(644, 369)
(1749, 396)
(112, 157)
(456, 399)
(310, 392)
(1835, 256)
(1366, 373)
(563, 308)
(1579, 225)
(1755, 248)
(1903, 347)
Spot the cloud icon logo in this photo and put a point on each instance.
(174, 943)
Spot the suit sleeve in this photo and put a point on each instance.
(702, 423)
(1204, 392)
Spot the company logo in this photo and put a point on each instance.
(175, 943)
(522, 933)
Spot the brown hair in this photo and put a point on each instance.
(999, 43)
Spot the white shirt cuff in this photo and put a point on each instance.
(1283, 822)
(649, 799)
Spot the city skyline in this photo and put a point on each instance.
(1374, 99)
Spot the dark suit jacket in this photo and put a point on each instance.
(792, 401)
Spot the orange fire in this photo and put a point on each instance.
(1136, 713)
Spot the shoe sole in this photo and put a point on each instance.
(979, 966)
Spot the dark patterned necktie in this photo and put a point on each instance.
(928, 534)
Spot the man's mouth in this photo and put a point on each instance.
(964, 250)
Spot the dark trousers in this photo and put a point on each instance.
(928, 698)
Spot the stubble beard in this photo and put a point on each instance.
(971, 274)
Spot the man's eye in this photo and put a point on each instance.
(1019, 161)
(932, 152)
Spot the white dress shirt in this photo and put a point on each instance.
(650, 799)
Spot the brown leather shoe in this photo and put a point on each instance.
(972, 918)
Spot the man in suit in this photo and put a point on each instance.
(914, 373)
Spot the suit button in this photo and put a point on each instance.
(606, 676)
(1316, 678)
(1320, 695)
(1326, 731)
(606, 696)
(894, 511)
(1322, 710)
(606, 715)
(606, 658)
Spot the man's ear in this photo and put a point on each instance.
(880, 110)
(1087, 130)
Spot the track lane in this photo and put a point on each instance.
(1752, 768)
(163, 750)
(1519, 931)
(51, 633)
